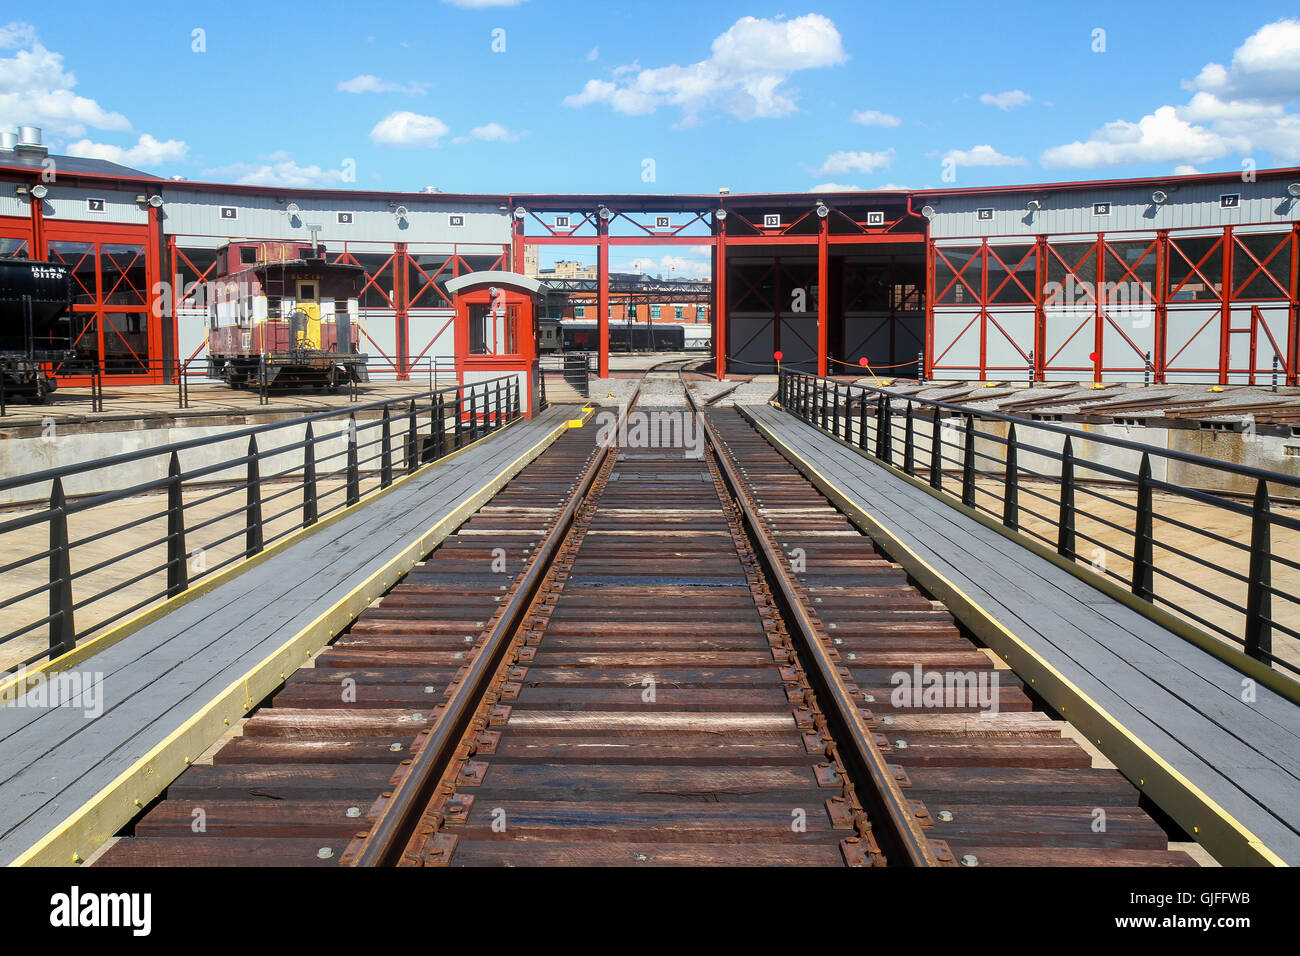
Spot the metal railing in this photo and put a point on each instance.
(179, 376)
(1154, 518)
(106, 560)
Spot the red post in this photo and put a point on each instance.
(1099, 316)
(1225, 308)
(1293, 336)
(823, 296)
(930, 293)
(402, 310)
(984, 309)
(1040, 309)
(1160, 350)
(720, 297)
(602, 292)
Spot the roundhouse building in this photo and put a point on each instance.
(1183, 278)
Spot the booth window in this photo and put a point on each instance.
(492, 329)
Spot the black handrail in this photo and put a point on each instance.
(868, 418)
(321, 480)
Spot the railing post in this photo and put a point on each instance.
(496, 417)
(473, 414)
(862, 421)
(1143, 559)
(936, 452)
(1011, 484)
(354, 473)
(386, 452)
(968, 465)
(887, 431)
(880, 426)
(178, 572)
(909, 435)
(253, 502)
(1259, 597)
(1065, 520)
(412, 448)
(440, 427)
(309, 478)
(63, 632)
(458, 425)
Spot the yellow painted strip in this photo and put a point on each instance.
(90, 825)
(1226, 838)
(16, 685)
(586, 417)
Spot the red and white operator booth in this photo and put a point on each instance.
(496, 330)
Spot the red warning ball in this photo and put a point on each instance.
(863, 360)
(1092, 356)
(778, 355)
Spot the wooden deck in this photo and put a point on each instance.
(1171, 716)
(174, 685)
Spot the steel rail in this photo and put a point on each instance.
(386, 841)
(902, 838)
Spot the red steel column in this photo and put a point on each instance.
(517, 245)
(823, 298)
(602, 292)
(153, 265)
(930, 293)
(1040, 309)
(984, 309)
(1160, 348)
(402, 314)
(1099, 316)
(1293, 326)
(720, 298)
(1225, 308)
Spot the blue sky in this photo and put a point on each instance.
(754, 96)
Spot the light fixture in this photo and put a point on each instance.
(720, 215)
(293, 210)
(1033, 205)
(605, 213)
(401, 212)
(724, 191)
(20, 190)
(823, 210)
(1293, 190)
(928, 212)
(1159, 197)
(156, 202)
(520, 212)
(142, 199)
(40, 191)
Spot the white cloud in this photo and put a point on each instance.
(875, 118)
(593, 53)
(834, 188)
(1006, 101)
(1239, 108)
(1266, 66)
(146, 152)
(277, 169)
(982, 156)
(491, 133)
(678, 267)
(368, 83)
(406, 129)
(746, 75)
(1186, 170)
(36, 89)
(837, 164)
(1159, 137)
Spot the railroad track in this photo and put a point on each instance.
(639, 655)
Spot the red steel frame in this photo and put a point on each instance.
(1163, 250)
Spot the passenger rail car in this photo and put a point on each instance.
(585, 336)
(281, 307)
(35, 325)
